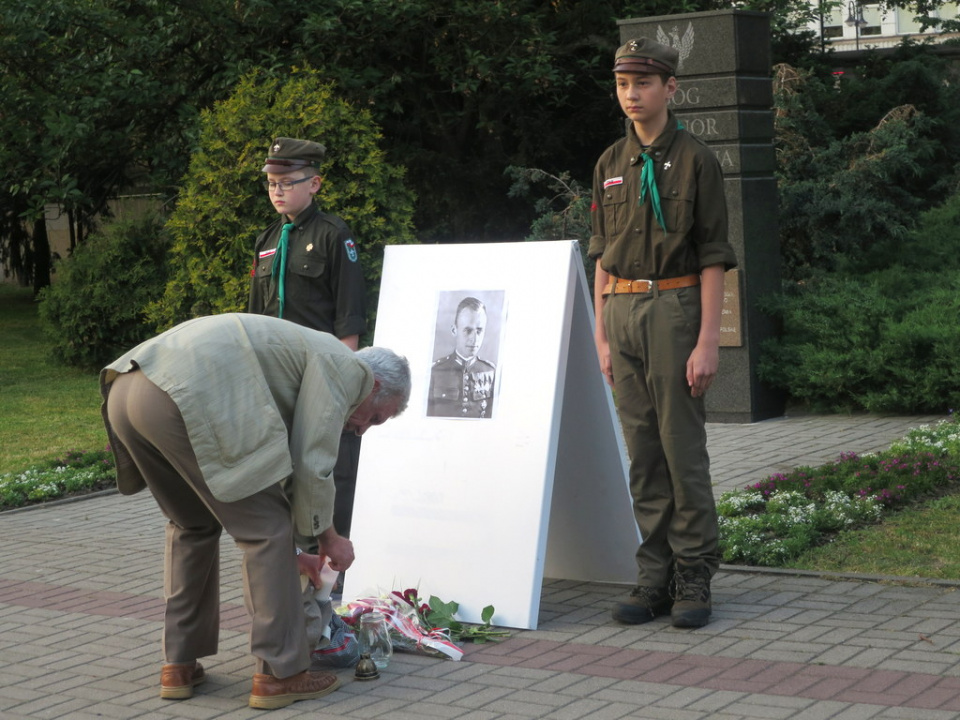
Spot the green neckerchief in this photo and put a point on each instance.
(280, 259)
(648, 182)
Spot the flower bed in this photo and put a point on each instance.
(777, 519)
(77, 473)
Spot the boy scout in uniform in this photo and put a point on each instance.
(660, 243)
(306, 269)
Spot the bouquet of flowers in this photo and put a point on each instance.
(424, 627)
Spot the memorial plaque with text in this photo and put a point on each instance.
(730, 315)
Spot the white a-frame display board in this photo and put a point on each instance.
(508, 465)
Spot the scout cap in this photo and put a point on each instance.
(286, 155)
(643, 55)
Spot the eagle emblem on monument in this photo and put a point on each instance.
(683, 45)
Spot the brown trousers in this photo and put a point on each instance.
(150, 425)
(651, 337)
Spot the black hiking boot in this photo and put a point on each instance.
(691, 595)
(642, 605)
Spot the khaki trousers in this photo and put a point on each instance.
(149, 424)
(651, 337)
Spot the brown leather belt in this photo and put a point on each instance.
(616, 286)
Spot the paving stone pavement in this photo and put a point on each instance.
(80, 618)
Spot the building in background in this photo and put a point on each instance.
(854, 26)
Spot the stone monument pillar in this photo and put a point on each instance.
(725, 97)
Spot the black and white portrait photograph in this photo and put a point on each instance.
(463, 377)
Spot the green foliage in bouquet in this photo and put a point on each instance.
(440, 614)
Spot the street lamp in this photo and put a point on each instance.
(823, 40)
(855, 19)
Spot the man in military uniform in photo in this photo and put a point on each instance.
(461, 384)
(306, 269)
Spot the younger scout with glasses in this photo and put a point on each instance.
(306, 269)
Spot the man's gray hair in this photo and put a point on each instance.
(393, 372)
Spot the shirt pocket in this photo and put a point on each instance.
(447, 385)
(308, 266)
(264, 267)
(677, 205)
(615, 209)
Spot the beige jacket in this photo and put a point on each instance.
(263, 400)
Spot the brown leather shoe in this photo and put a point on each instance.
(178, 680)
(270, 692)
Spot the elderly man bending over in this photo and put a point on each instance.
(233, 422)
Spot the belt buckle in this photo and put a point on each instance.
(635, 286)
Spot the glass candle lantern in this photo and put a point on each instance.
(373, 636)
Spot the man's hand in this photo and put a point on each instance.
(310, 565)
(336, 548)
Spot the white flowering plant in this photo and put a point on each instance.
(74, 473)
(943, 437)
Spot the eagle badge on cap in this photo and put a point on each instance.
(276, 147)
(632, 46)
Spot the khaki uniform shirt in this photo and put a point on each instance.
(626, 235)
(263, 400)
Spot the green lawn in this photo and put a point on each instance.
(922, 541)
(45, 408)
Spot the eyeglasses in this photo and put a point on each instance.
(285, 185)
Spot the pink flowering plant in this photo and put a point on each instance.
(775, 520)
